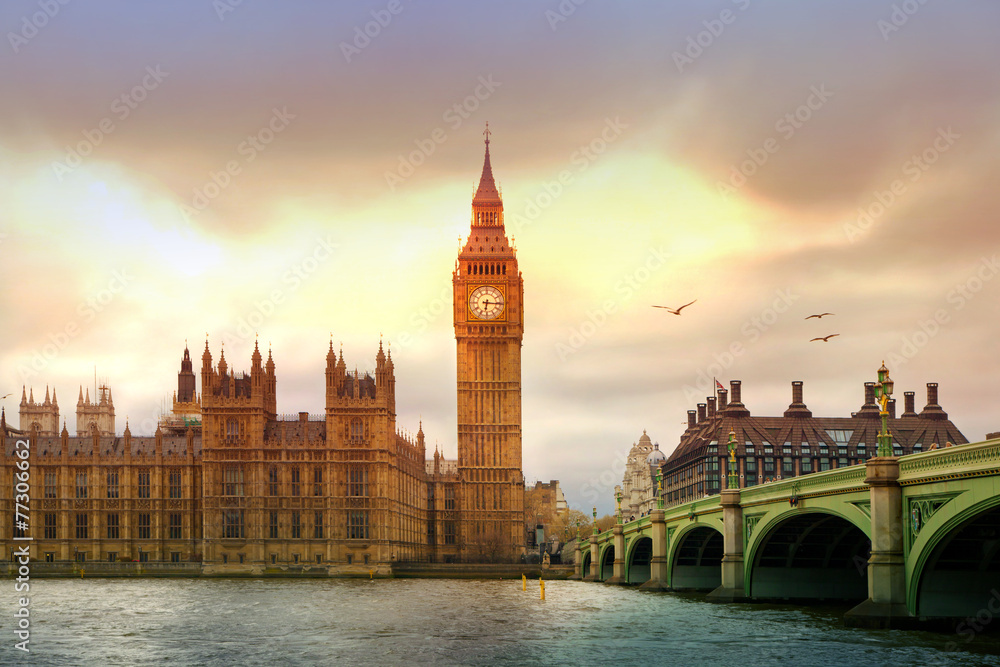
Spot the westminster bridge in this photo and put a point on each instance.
(910, 537)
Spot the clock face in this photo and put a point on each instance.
(486, 302)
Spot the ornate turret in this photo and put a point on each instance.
(97, 416)
(42, 416)
(186, 410)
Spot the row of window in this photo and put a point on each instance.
(112, 556)
(357, 481)
(112, 525)
(234, 525)
(840, 439)
(112, 484)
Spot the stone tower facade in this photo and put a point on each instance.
(344, 487)
(43, 416)
(100, 414)
(186, 410)
(489, 326)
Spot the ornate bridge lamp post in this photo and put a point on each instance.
(734, 479)
(595, 519)
(618, 497)
(659, 488)
(883, 390)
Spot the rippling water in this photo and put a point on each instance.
(444, 622)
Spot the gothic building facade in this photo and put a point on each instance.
(231, 485)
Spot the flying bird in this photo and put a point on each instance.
(825, 339)
(3, 397)
(675, 312)
(818, 317)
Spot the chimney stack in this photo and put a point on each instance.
(892, 408)
(711, 407)
(932, 410)
(908, 404)
(736, 406)
(798, 407)
(692, 416)
(701, 412)
(723, 400)
(870, 407)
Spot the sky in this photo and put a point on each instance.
(300, 171)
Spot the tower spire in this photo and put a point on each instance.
(487, 192)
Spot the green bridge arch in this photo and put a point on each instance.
(841, 576)
(954, 514)
(694, 577)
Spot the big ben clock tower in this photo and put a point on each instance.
(489, 325)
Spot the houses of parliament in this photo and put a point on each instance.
(228, 483)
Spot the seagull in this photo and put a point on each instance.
(675, 312)
(818, 317)
(825, 339)
(7, 396)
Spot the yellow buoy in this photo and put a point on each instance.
(524, 583)
(542, 584)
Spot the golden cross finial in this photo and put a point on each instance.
(487, 133)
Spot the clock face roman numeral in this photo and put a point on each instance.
(486, 302)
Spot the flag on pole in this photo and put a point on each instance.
(718, 386)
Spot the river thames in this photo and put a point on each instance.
(442, 622)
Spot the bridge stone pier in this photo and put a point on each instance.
(733, 586)
(906, 539)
